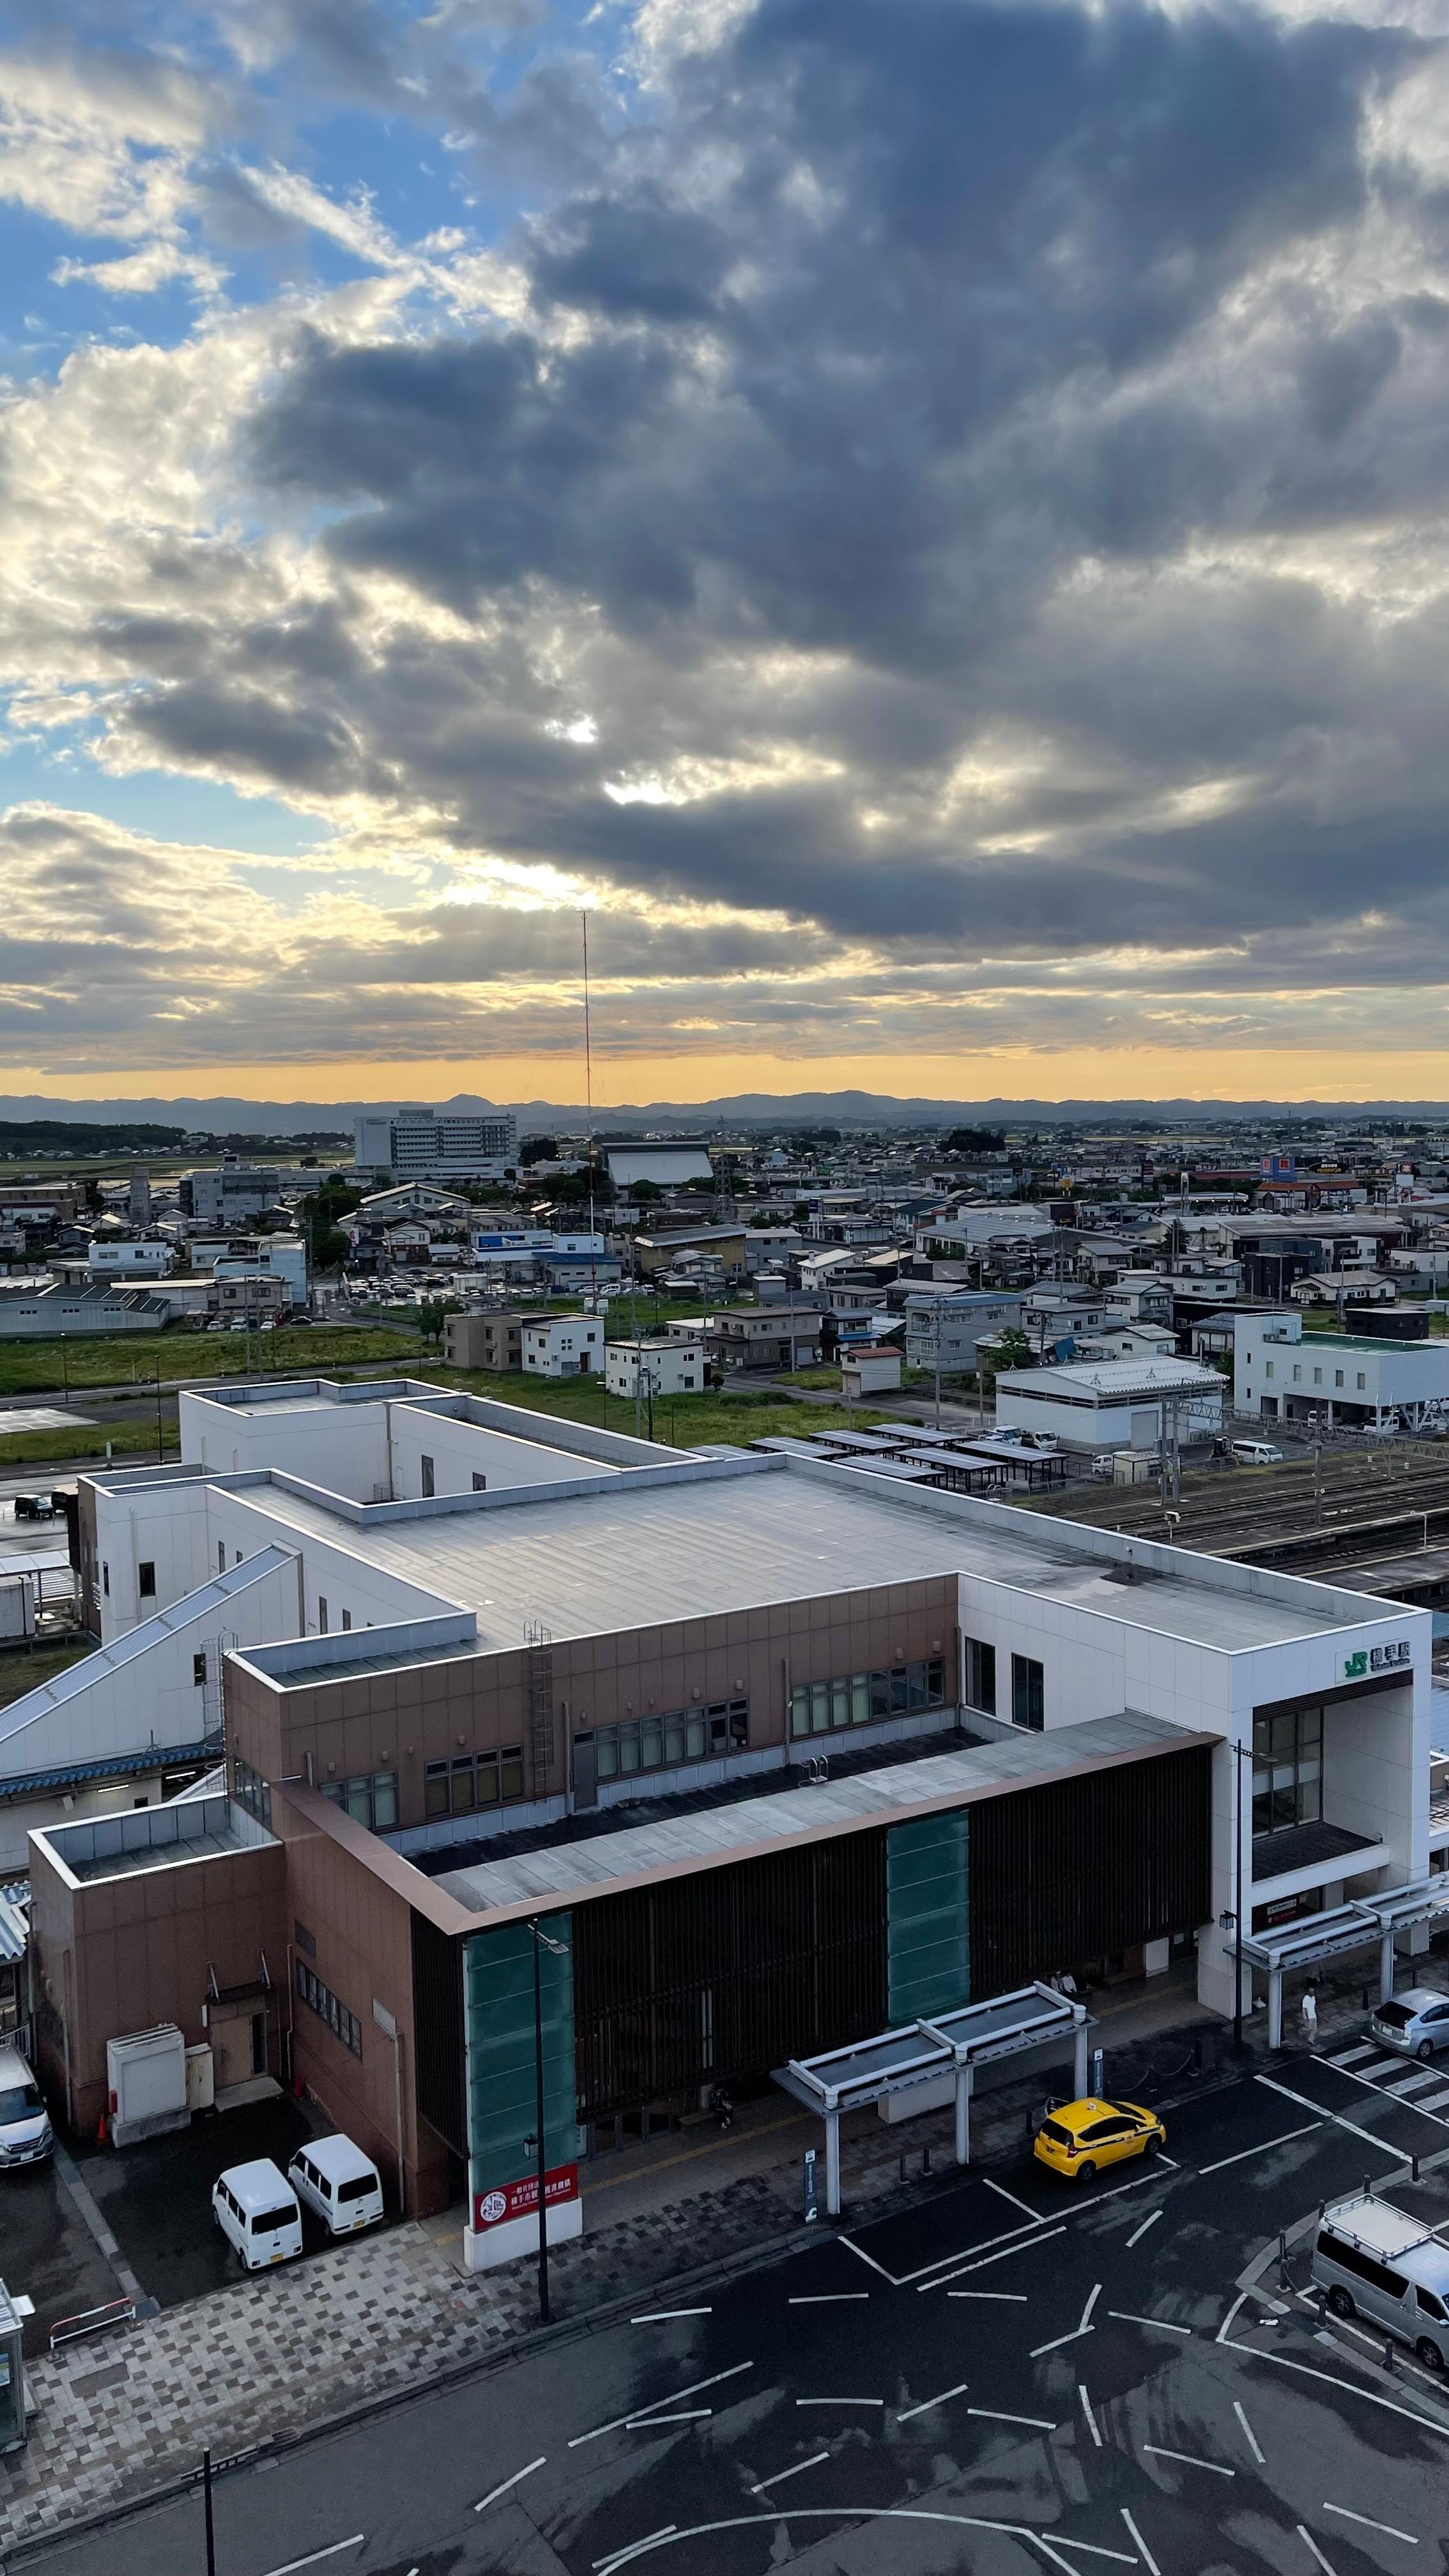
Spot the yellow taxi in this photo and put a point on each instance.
(1077, 2138)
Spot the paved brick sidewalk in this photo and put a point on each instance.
(274, 2355)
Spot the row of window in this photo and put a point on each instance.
(1287, 1769)
(854, 1699)
(658, 1743)
(1360, 1379)
(1028, 1684)
(251, 1791)
(369, 1797)
(320, 1999)
(473, 1781)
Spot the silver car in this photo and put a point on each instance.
(1416, 2022)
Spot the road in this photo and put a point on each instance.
(1022, 2375)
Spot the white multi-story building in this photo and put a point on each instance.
(145, 1256)
(427, 1145)
(661, 1365)
(1286, 1375)
(562, 1345)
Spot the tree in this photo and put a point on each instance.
(648, 1194)
(975, 1140)
(537, 1149)
(433, 1314)
(1012, 1350)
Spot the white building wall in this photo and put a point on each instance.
(341, 1447)
(337, 1572)
(675, 1367)
(461, 1450)
(162, 1524)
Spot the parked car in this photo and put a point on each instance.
(1375, 2262)
(339, 2182)
(1076, 2138)
(1256, 1453)
(256, 2209)
(34, 1507)
(1416, 2022)
(25, 2133)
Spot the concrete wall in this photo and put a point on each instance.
(461, 1449)
(240, 1523)
(341, 1447)
(162, 1523)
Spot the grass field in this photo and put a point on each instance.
(682, 1421)
(124, 1360)
(86, 1440)
(21, 1673)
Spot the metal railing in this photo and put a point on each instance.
(89, 2321)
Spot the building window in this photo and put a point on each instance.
(322, 1612)
(251, 1790)
(306, 1941)
(1318, 1377)
(369, 1798)
(474, 1782)
(221, 1556)
(980, 1676)
(198, 1671)
(429, 1481)
(1287, 1770)
(1028, 1695)
(146, 1580)
(1338, 1377)
(1361, 1381)
(480, 1483)
(1268, 1370)
(106, 1581)
(662, 1743)
(856, 1699)
(346, 1618)
(344, 2025)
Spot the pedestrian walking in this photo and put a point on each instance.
(1310, 2016)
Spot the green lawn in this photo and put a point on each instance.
(124, 1359)
(86, 1440)
(683, 1421)
(20, 1673)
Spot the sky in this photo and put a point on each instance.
(925, 520)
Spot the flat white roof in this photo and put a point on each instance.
(626, 1556)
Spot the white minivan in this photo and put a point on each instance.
(339, 2182)
(1255, 1453)
(25, 2136)
(256, 2209)
(1376, 2263)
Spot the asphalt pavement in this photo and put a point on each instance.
(1023, 2375)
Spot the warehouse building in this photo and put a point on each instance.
(774, 1751)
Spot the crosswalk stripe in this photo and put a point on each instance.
(1352, 2056)
(1381, 2066)
(1433, 2101)
(1408, 2084)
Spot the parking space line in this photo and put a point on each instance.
(1058, 2341)
(631, 2549)
(1309, 2543)
(690, 2415)
(620, 2421)
(1091, 2418)
(781, 2475)
(1087, 2310)
(1022, 2245)
(666, 2316)
(1125, 2317)
(840, 2401)
(1148, 2561)
(1330, 2379)
(927, 2403)
(1002, 2193)
(870, 2259)
(1243, 2153)
(824, 2299)
(993, 2415)
(1009, 2298)
(1369, 2524)
(1249, 2436)
(1149, 2221)
(1187, 2460)
(1092, 2549)
(1370, 2137)
(315, 2556)
(495, 2492)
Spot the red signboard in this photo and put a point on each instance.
(520, 2199)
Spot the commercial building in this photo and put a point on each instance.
(1113, 1404)
(558, 1675)
(225, 1196)
(663, 1166)
(419, 1145)
(664, 1364)
(1286, 1375)
(37, 1313)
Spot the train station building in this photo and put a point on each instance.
(776, 1756)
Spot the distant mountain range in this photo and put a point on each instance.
(749, 1108)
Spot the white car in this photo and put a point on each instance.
(1415, 2022)
(25, 2137)
(339, 2182)
(256, 2209)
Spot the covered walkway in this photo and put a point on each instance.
(1358, 1926)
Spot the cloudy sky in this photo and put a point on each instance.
(927, 519)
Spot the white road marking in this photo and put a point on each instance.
(1091, 2418)
(1148, 2561)
(1370, 2137)
(495, 2492)
(1369, 2524)
(1125, 2317)
(1002, 2193)
(1087, 2310)
(666, 2316)
(1249, 2436)
(315, 2556)
(1188, 2461)
(1150, 2221)
(1370, 2074)
(1352, 2056)
(1407, 2084)
(1268, 2144)
(1012, 2298)
(963, 2254)
(1311, 2544)
(927, 2403)
(1433, 2101)
(617, 2557)
(620, 2421)
(1091, 2550)
(1058, 2341)
(840, 2401)
(1331, 2379)
(781, 2475)
(993, 2415)
(646, 2423)
(1030, 2538)
(870, 2259)
(828, 2298)
(1022, 2245)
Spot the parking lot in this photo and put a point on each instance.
(1020, 2374)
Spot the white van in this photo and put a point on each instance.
(1255, 1453)
(337, 2180)
(1392, 2270)
(25, 2134)
(256, 2209)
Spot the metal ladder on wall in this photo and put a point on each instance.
(538, 1642)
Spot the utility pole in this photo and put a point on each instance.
(938, 1363)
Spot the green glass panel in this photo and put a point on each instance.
(928, 1921)
(502, 2064)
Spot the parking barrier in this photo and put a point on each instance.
(89, 2321)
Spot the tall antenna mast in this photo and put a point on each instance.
(589, 1113)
